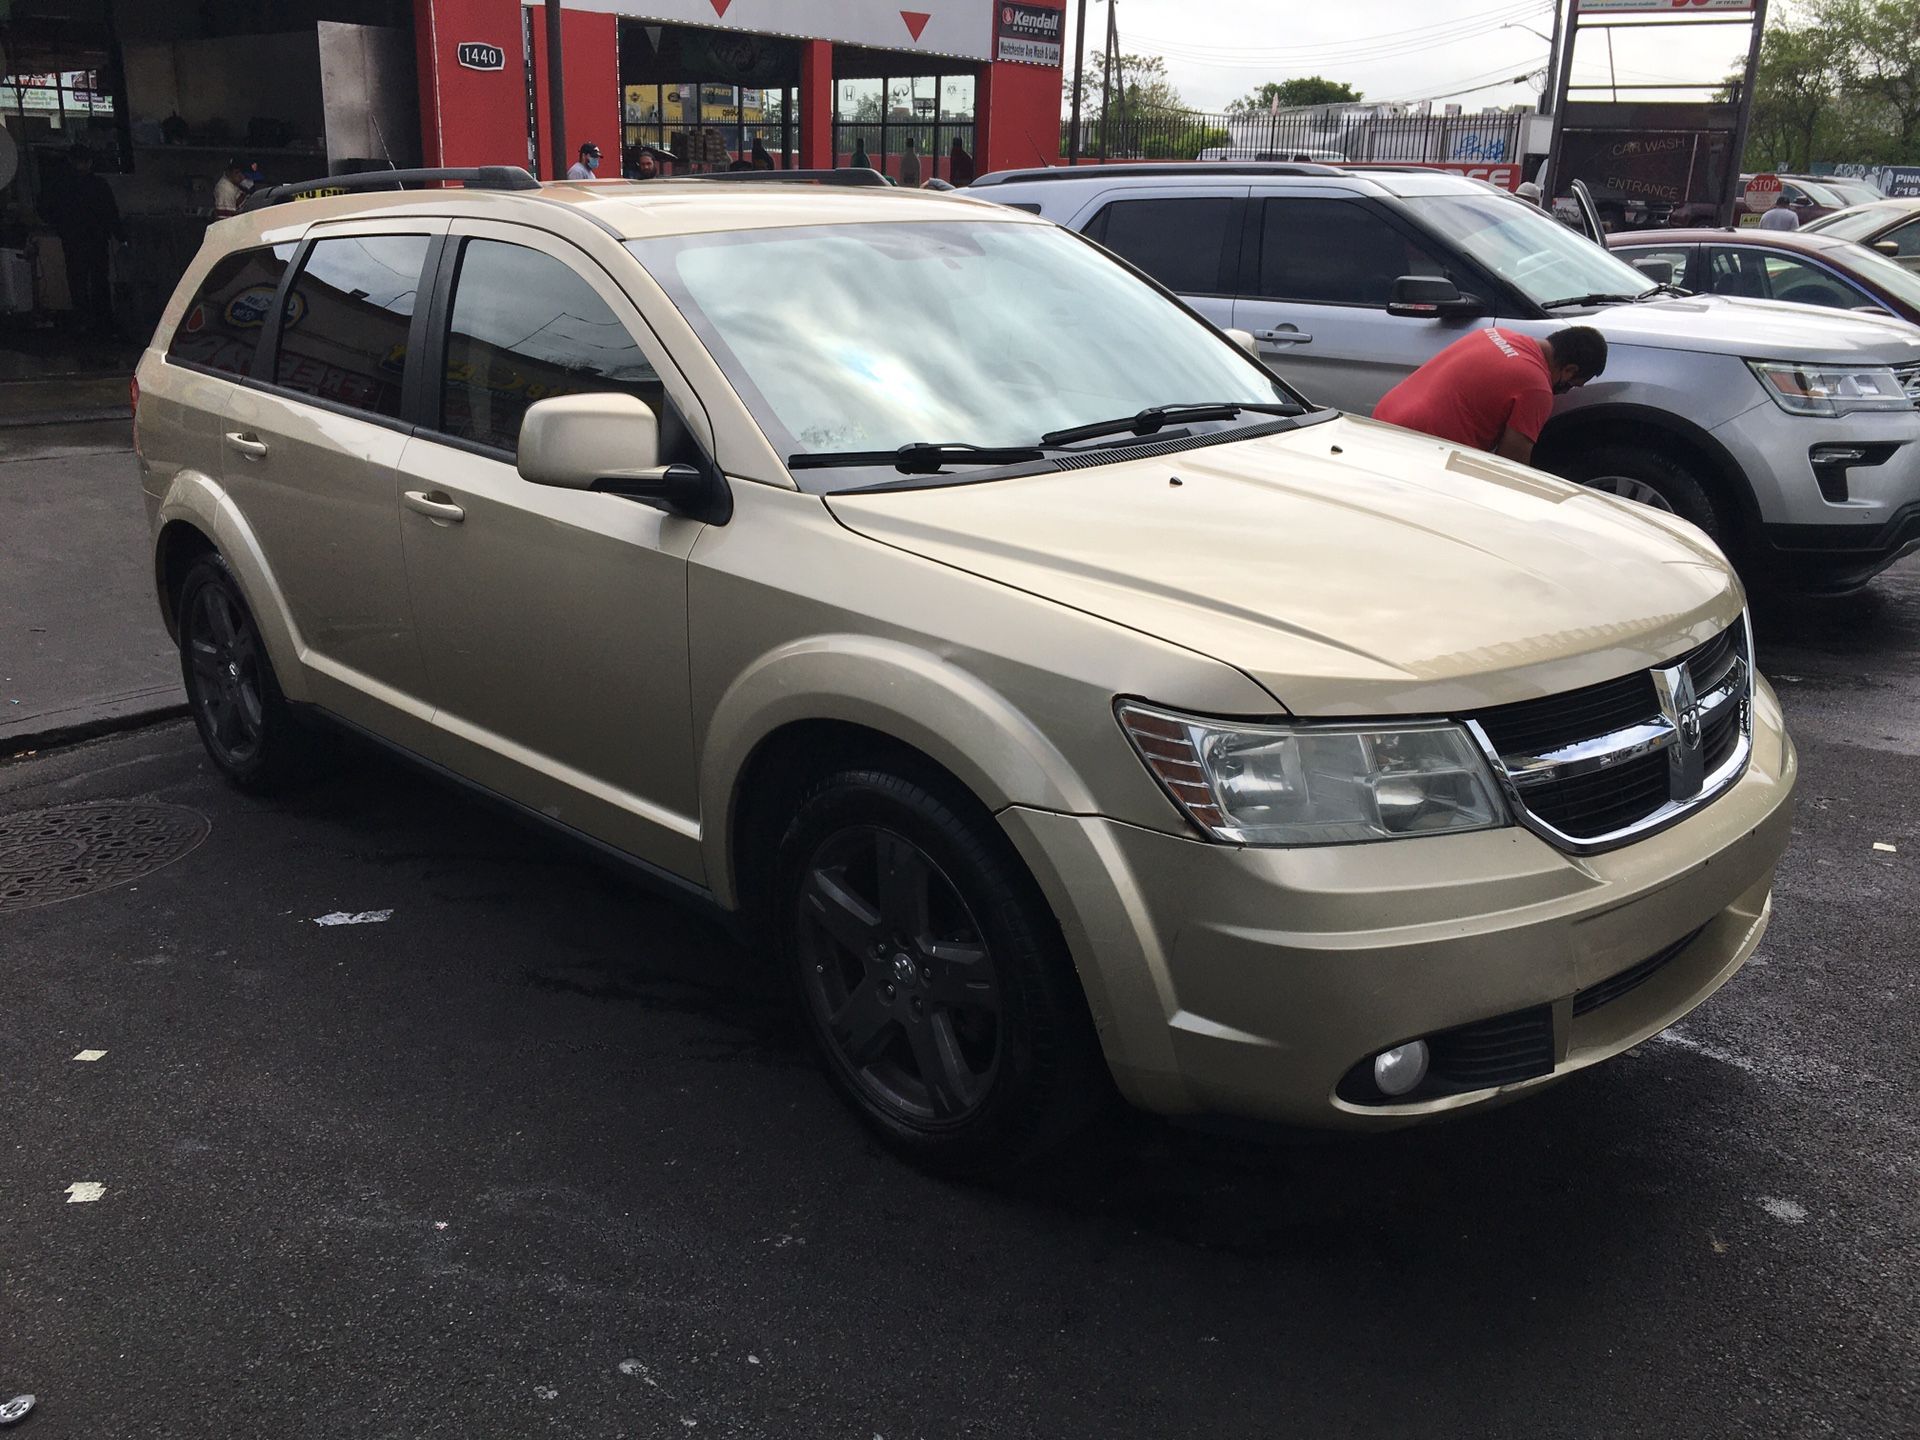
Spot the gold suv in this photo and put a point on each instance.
(1066, 702)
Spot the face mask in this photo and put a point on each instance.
(592, 162)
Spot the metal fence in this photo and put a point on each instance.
(1333, 134)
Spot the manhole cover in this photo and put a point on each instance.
(49, 855)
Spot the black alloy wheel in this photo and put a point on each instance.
(935, 981)
(898, 972)
(223, 674)
(244, 722)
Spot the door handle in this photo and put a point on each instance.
(1285, 335)
(435, 504)
(250, 446)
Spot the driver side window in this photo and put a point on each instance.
(1335, 252)
(524, 327)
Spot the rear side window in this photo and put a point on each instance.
(344, 336)
(1178, 242)
(1334, 252)
(525, 327)
(221, 329)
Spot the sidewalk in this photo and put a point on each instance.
(81, 643)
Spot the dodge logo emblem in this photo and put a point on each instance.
(1680, 706)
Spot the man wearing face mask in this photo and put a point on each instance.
(1493, 389)
(587, 164)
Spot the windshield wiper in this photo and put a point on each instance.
(921, 458)
(1156, 418)
(1585, 300)
(1663, 288)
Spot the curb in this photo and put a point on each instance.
(16, 747)
(28, 418)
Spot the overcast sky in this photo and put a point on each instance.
(1217, 50)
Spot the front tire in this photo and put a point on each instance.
(1651, 479)
(244, 721)
(936, 986)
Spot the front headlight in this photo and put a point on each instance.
(1830, 389)
(1316, 784)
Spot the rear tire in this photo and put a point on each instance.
(1652, 479)
(250, 733)
(936, 987)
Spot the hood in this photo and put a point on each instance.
(1756, 329)
(1348, 567)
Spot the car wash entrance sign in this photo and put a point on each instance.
(1653, 161)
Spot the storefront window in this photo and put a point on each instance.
(877, 118)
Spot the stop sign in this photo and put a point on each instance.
(1762, 190)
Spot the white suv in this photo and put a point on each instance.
(1789, 433)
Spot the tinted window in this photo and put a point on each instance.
(525, 327)
(1758, 275)
(1178, 242)
(1335, 252)
(1906, 240)
(221, 329)
(344, 337)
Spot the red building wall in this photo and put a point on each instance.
(470, 117)
(590, 60)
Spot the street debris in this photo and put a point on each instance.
(1787, 1212)
(353, 917)
(546, 1392)
(15, 1410)
(90, 1055)
(85, 1192)
(1883, 845)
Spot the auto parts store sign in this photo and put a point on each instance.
(1028, 34)
(940, 27)
(1665, 7)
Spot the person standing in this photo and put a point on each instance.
(1781, 216)
(1493, 389)
(910, 166)
(959, 164)
(81, 209)
(587, 164)
(229, 190)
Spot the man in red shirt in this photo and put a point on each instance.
(1494, 389)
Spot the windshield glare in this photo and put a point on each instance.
(1852, 224)
(870, 337)
(1521, 244)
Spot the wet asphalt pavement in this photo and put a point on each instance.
(538, 1155)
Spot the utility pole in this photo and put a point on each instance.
(1553, 57)
(1106, 94)
(556, 93)
(1079, 68)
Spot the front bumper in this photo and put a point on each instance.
(1839, 535)
(1249, 982)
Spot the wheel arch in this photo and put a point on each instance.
(814, 705)
(197, 517)
(1650, 428)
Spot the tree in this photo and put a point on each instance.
(1887, 61)
(1838, 80)
(1801, 72)
(1140, 87)
(1294, 95)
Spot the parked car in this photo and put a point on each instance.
(1056, 697)
(1798, 267)
(1891, 227)
(1848, 191)
(1351, 280)
(1810, 199)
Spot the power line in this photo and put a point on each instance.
(1346, 52)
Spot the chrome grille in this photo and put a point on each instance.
(1909, 378)
(1606, 764)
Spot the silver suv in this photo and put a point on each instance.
(1788, 433)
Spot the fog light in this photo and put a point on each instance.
(1400, 1069)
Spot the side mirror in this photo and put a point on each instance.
(1244, 339)
(610, 443)
(1887, 247)
(1660, 272)
(1428, 297)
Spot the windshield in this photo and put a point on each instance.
(1527, 248)
(1854, 224)
(869, 337)
(1888, 275)
(1820, 194)
(1852, 192)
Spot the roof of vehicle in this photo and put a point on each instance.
(1386, 179)
(635, 209)
(1893, 207)
(1811, 241)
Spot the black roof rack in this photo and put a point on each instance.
(855, 175)
(476, 177)
(1189, 167)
